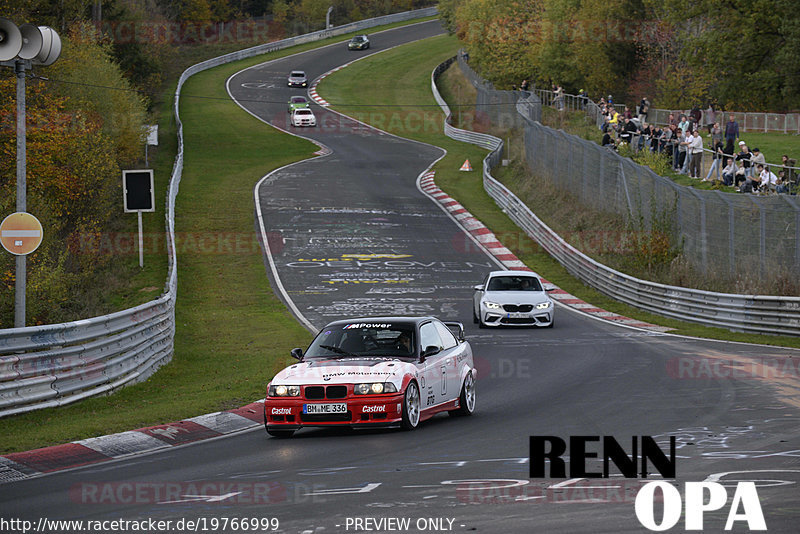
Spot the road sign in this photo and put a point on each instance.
(137, 189)
(21, 233)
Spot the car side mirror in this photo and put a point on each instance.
(479, 287)
(549, 289)
(456, 328)
(297, 354)
(430, 350)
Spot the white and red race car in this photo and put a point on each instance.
(374, 372)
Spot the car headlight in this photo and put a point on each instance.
(284, 391)
(544, 305)
(492, 305)
(374, 388)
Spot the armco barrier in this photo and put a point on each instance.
(54, 365)
(745, 313)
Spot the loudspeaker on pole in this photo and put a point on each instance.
(10, 40)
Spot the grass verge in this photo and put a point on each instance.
(401, 80)
(233, 334)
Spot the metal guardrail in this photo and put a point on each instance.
(53, 365)
(746, 313)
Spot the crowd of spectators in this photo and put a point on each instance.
(681, 140)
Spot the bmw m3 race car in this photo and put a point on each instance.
(297, 78)
(303, 117)
(512, 298)
(374, 372)
(359, 42)
(297, 102)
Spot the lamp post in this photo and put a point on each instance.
(20, 48)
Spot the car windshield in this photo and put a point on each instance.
(358, 38)
(395, 340)
(514, 283)
(298, 74)
(303, 112)
(298, 100)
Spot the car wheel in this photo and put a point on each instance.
(280, 433)
(474, 316)
(481, 324)
(411, 405)
(467, 398)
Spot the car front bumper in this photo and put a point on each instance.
(282, 413)
(533, 318)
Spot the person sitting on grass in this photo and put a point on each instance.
(729, 172)
(766, 177)
(781, 184)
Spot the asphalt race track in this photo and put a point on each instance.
(351, 234)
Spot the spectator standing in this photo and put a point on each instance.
(680, 155)
(696, 115)
(758, 158)
(524, 85)
(728, 151)
(716, 134)
(665, 142)
(732, 129)
(744, 156)
(710, 119)
(559, 98)
(716, 162)
(695, 147)
(671, 121)
(687, 160)
(788, 164)
(683, 124)
(655, 138)
(644, 107)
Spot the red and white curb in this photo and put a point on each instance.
(510, 261)
(312, 91)
(21, 465)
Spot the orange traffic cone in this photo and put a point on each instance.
(466, 166)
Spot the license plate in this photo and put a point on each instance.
(338, 407)
(518, 315)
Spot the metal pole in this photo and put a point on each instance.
(141, 241)
(20, 279)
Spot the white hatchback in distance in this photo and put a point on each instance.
(513, 298)
(303, 117)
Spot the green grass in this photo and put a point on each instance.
(232, 333)
(401, 78)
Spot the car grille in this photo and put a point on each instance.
(524, 308)
(524, 320)
(325, 417)
(325, 392)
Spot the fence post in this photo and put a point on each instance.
(762, 245)
(731, 232)
(793, 203)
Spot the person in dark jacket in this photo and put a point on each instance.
(731, 130)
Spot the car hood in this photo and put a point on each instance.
(345, 371)
(516, 297)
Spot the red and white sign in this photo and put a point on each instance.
(21, 233)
